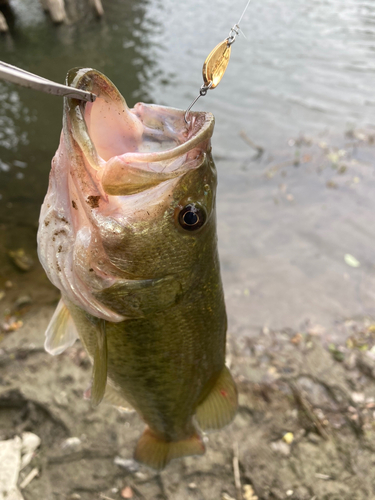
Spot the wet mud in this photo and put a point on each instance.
(305, 427)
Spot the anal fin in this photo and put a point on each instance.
(61, 332)
(220, 405)
(100, 364)
(155, 452)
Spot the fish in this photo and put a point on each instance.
(127, 233)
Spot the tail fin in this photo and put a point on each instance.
(157, 453)
(219, 407)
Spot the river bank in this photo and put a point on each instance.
(305, 427)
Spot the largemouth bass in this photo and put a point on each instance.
(127, 232)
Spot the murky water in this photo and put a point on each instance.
(303, 67)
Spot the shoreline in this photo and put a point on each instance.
(305, 425)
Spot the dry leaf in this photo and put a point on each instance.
(248, 492)
(351, 261)
(127, 492)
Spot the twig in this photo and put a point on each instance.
(104, 497)
(236, 471)
(30, 476)
(322, 476)
(252, 144)
(306, 406)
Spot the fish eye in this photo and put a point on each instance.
(192, 217)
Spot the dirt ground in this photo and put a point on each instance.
(305, 429)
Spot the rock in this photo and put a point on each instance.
(22, 301)
(10, 463)
(128, 464)
(21, 259)
(30, 443)
(72, 444)
(281, 447)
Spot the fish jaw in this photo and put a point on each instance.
(114, 176)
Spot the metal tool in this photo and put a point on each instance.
(21, 77)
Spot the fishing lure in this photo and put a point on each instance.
(216, 63)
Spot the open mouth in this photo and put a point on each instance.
(134, 148)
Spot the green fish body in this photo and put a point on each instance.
(128, 234)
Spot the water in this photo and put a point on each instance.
(304, 67)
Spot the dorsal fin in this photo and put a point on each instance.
(61, 332)
(99, 369)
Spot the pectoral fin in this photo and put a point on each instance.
(61, 332)
(220, 405)
(99, 370)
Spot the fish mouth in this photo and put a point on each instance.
(115, 169)
(133, 149)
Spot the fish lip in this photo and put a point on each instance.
(199, 130)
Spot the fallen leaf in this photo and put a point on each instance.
(127, 492)
(351, 261)
(331, 185)
(248, 492)
(11, 325)
(288, 437)
(296, 339)
(333, 157)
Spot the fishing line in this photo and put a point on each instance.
(216, 63)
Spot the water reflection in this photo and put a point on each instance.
(13, 118)
(302, 67)
(30, 123)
